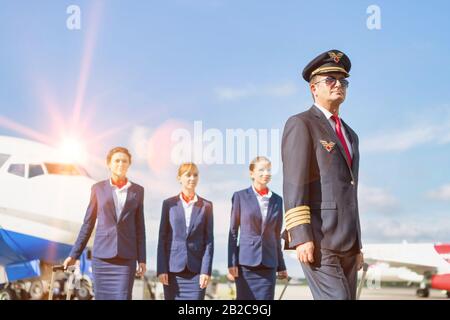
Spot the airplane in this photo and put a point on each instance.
(425, 263)
(43, 198)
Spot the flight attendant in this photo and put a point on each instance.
(256, 221)
(119, 247)
(186, 241)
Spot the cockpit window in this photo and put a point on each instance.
(3, 158)
(17, 169)
(65, 169)
(35, 170)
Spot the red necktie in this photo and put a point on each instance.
(341, 137)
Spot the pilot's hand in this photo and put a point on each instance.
(164, 279)
(142, 269)
(305, 252)
(282, 274)
(69, 262)
(359, 261)
(233, 271)
(204, 279)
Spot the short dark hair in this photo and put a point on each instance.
(116, 150)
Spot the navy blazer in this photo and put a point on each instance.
(320, 188)
(259, 242)
(123, 237)
(178, 248)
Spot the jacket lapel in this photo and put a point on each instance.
(195, 212)
(355, 149)
(179, 210)
(131, 196)
(325, 124)
(108, 190)
(253, 201)
(270, 212)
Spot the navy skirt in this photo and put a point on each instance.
(113, 278)
(255, 283)
(184, 285)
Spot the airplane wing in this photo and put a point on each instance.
(417, 268)
(420, 258)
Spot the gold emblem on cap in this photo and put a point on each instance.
(328, 145)
(335, 56)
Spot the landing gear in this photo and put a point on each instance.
(423, 293)
(84, 291)
(448, 294)
(37, 290)
(7, 294)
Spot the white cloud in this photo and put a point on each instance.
(442, 193)
(375, 199)
(412, 228)
(251, 90)
(399, 140)
(422, 129)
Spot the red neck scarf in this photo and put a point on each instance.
(119, 184)
(262, 192)
(186, 198)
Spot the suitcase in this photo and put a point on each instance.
(70, 281)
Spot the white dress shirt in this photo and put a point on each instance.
(263, 202)
(120, 197)
(328, 115)
(188, 206)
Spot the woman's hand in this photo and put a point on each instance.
(142, 269)
(204, 279)
(69, 262)
(164, 279)
(282, 274)
(233, 271)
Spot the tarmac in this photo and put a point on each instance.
(294, 292)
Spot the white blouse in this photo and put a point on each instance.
(263, 202)
(188, 210)
(120, 197)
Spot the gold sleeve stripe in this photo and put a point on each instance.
(299, 208)
(297, 216)
(297, 222)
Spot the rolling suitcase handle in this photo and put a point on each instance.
(285, 287)
(363, 278)
(70, 270)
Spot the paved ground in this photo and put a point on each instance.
(300, 292)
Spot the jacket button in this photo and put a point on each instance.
(352, 183)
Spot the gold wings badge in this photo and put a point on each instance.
(328, 145)
(335, 56)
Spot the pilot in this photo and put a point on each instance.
(320, 182)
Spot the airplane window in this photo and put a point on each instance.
(65, 169)
(17, 169)
(3, 158)
(35, 170)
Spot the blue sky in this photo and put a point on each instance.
(142, 69)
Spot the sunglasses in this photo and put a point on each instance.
(331, 81)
